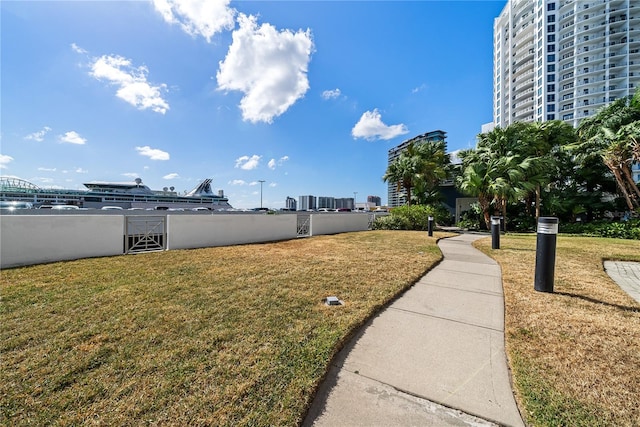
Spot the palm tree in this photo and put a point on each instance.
(505, 167)
(476, 178)
(402, 172)
(431, 162)
(421, 166)
(613, 134)
(543, 143)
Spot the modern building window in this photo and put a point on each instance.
(551, 58)
(551, 88)
(551, 108)
(551, 98)
(551, 48)
(551, 18)
(551, 6)
(551, 116)
(551, 68)
(551, 78)
(551, 38)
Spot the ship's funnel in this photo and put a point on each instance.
(202, 189)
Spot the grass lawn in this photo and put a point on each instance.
(220, 336)
(574, 353)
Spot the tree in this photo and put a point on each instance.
(402, 172)
(422, 166)
(475, 179)
(431, 162)
(543, 147)
(613, 134)
(497, 169)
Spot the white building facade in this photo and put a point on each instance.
(563, 59)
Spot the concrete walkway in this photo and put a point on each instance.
(627, 275)
(435, 357)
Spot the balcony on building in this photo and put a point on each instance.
(519, 96)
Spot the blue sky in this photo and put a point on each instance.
(308, 96)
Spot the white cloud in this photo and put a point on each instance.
(80, 170)
(153, 153)
(253, 183)
(198, 17)
(72, 137)
(370, 127)
(42, 180)
(78, 49)
(273, 184)
(171, 176)
(5, 160)
(237, 182)
(131, 81)
(268, 66)
(419, 88)
(47, 169)
(331, 94)
(273, 163)
(248, 163)
(38, 136)
(130, 175)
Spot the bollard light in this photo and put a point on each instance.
(546, 253)
(495, 232)
(430, 226)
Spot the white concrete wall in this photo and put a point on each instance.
(333, 223)
(198, 231)
(36, 239)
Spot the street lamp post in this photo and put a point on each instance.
(354, 200)
(261, 181)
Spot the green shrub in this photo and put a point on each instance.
(414, 217)
(522, 224)
(391, 222)
(472, 218)
(619, 230)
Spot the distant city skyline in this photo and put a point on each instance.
(305, 96)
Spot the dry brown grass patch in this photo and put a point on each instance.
(575, 352)
(218, 336)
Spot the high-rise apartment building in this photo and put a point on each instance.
(563, 59)
(345, 203)
(306, 203)
(326, 202)
(394, 197)
(376, 200)
(291, 204)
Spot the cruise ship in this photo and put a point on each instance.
(125, 195)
